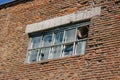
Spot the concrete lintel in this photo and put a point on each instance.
(55, 22)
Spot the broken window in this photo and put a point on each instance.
(58, 37)
(60, 42)
(82, 32)
(44, 53)
(47, 39)
(68, 50)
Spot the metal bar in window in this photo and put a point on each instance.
(53, 38)
(63, 37)
(73, 49)
(38, 55)
(30, 43)
(61, 52)
(41, 41)
(49, 54)
(63, 46)
(76, 35)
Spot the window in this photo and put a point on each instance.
(59, 42)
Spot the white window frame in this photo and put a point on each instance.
(70, 26)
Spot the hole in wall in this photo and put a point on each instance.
(91, 39)
(99, 60)
(99, 45)
(117, 2)
(49, 0)
(99, 40)
(82, 32)
(102, 1)
(91, 46)
(43, 63)
(107, 25)
(103, 7)
(102, 53)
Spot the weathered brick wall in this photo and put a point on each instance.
(102, 58)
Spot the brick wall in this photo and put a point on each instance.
(102, 58)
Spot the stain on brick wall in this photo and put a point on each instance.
(102, 58)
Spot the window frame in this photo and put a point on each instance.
(63, 28)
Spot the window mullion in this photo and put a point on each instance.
(30, 44)
(73, 49)
(61, 50)
(49, 54)
(63, 42)
(38, 55)
(53, 38)
(64, 37)
(42, 41)
(28, 57)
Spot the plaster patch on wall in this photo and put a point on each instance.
(74, 17)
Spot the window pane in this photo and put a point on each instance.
(68, 50)
(80, 47)
(58, 37)
(44, 54)
(32, 56)
(35, 42)
(55, 53)
(47, 39)
(70, 35)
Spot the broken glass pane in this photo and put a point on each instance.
(58, 37)
(82, 32)
(32, 56)
(55, 53)
(68, 50)
(70, 35)
(80, 47)
(47, 39)
(44, 54)
(35, 42)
